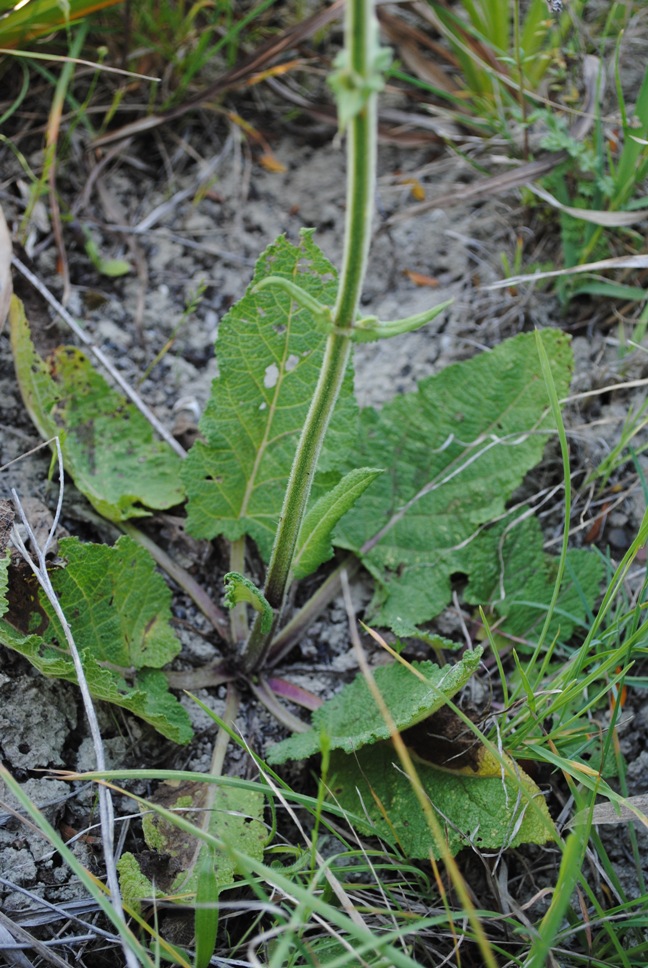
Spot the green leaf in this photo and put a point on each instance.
(233, 815)
(113, 268)
(108, 446)
(269, 354)
(611, 290)
(514, 574)
(370, 328)
(238, 589)
(490, 805)
(36, 385)
(206, 914)
(118, 609)
(351, 719)
(456, 449)
(314, 545)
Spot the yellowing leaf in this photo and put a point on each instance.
(271, 163)
(108, 446)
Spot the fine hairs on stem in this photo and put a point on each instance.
(38, 564)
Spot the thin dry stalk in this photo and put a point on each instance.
(38, 565)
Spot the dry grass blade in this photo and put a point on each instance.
(619, 262)
(14, 933)
(36, 559)
(596, 217)
(524, 173)
(632, 808)
(5, 270)
(258, 61)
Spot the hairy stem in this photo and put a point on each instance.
(361, 52)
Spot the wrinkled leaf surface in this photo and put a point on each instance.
(108, 446)
(493, 804)
(118, 610)
(513, 572)
(454, 451)
(351, 719)
(269, 355)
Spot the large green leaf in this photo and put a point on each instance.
(455, 450)
(108, 446)
(489, 804)
(118, 609)
(269, 355)
(352, 719)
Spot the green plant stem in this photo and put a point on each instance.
(238, 614)
(520, 77)
(360, 38)
(293, 630)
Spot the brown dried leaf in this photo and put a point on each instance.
(596, 216)
(611, 813)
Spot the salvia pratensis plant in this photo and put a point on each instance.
(416, 492)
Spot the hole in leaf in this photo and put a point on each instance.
(271, 376)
